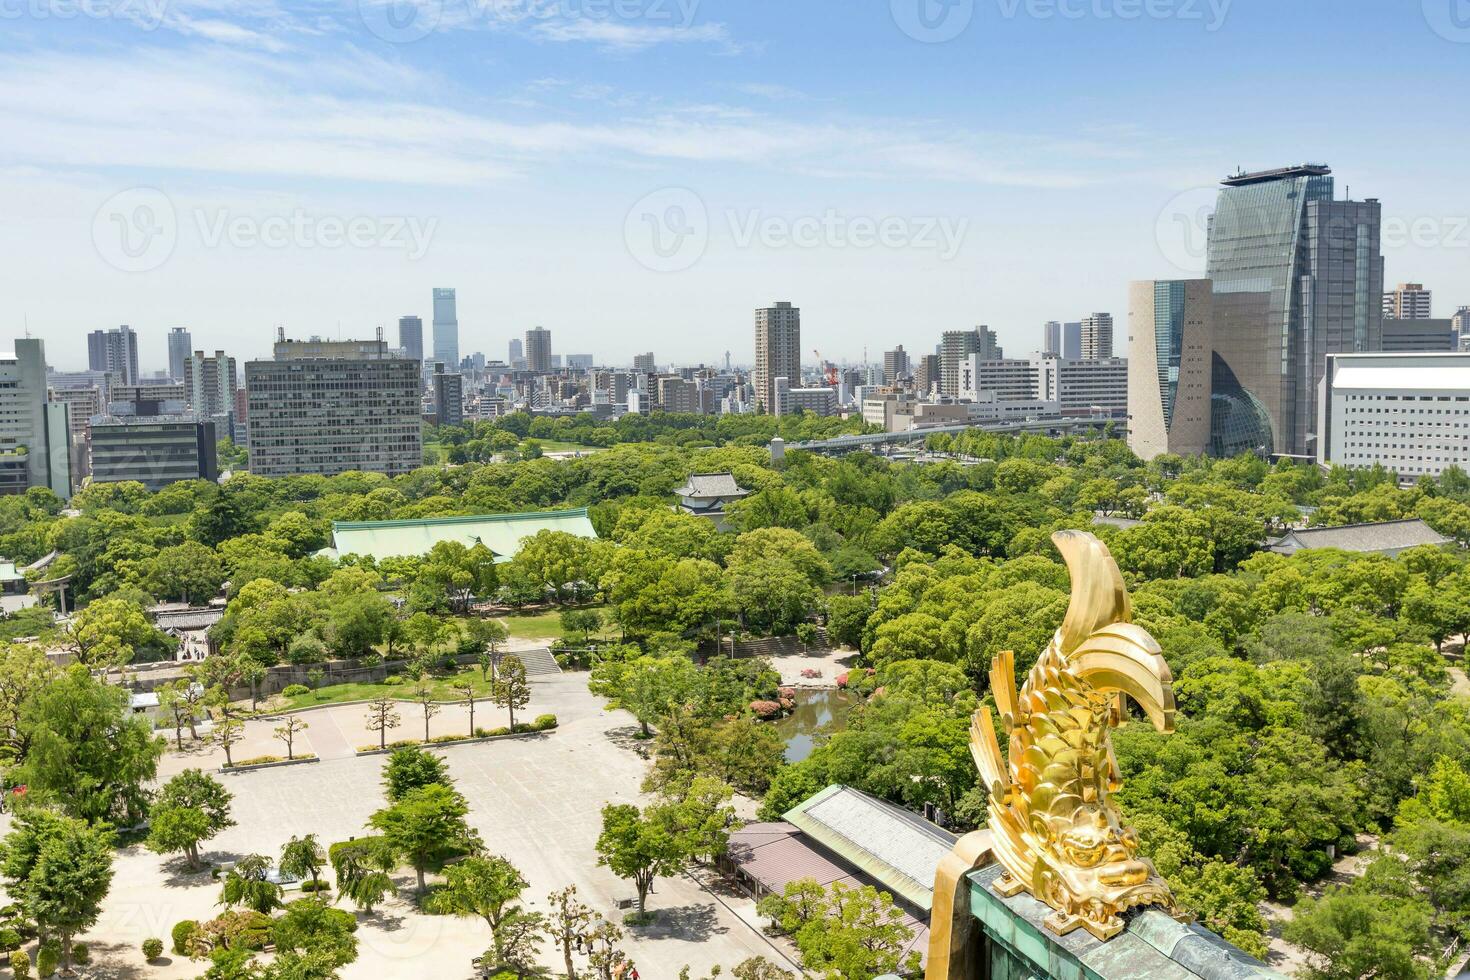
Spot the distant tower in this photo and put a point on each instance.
(446, 327)
(180, 346)
(1097, 337)
(411, 337)
(777, 352)
(538, 350)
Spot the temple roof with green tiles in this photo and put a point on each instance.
(501, 533)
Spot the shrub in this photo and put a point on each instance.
(442, 739)
(235, 929)
(543, 722)
(403, 743)
(766, 709)
(182, 933)
(393, 680)
(20, 964)
(319, 886)
(502, 730)
(46, 959)
(152, 948)
(80, 953)
(9, 939)
(260, 760)
(521, 728)
(295, 690)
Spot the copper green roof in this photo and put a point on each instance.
(501, 533)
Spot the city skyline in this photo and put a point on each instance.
(470, 149)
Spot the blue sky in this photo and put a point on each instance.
(640, 174)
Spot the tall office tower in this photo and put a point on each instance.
(448, 396)
(411, 337)
(327, 407)
(446, 327)
(115, 351)
(777, 353)
(644, 363)
(1051, 338)
(955, 349)
(895, 363)
(1410, 301)
(1097, 337)
(180, 346)
(1297, 276)
(926, 374)
(1460, 323)
(517, 352)
(1169, 344)
(538, 350)
(210, 384)
(35, 436)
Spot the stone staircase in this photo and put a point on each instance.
(538, 661)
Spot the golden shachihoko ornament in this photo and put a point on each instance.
(1053, 826)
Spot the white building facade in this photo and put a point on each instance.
(1409, 413)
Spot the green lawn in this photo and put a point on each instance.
(539, 625)
(557, 446)
(337, 693)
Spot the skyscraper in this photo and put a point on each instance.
(35, 436)
(1097, 337)
(411, 337)
(1297, 275)
(517, 352)
(210, 384)
(1169, 344)
(895, 363)
(180, 346)
(955, 349)
(1410, 301)
(115, 351)
(777, 353)
(538, 350)
(1063, 340)
(644, 363)
(446, 328)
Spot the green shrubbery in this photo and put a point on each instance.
(20, 964)
(183, 932)
(152, 948)
(544, 722)
(295, 690)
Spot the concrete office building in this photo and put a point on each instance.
(516, 352)
(180, 346)
(210, 384)
(147, 399)
(1407, 412)
(1169, 363)
(926, 374)
(895, 365)
(644, 363)
(448, 396)
(1421, 335)
(154, 451)
(580, 362)
(115, 351)
(35, 432)
(1096, 332)
(1409, 301)
(538, 350)
(1062, 340)
(1297, 275)
(777, 353)
(956, 347)
(446, 328)
(411, 337)
(1460, 323)
(674, 394)
(1076, 387)
(329, 407)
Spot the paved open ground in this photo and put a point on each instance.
(535, 800)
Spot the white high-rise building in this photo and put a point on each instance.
(777, 353)
(446, 328)
(538, 350)
(115, 351)
(1409, 301)
(1409, 413)
(1097, 337)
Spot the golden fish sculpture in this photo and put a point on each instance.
(1053, 826)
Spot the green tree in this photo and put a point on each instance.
(302, 858)
(362, 867)
(640, 847)
(581, 623)
(1378, 926)
(187, 572)
(308, 927)
(411, 768)
(484, 888)
(190, 809)
(109, 632)
(87, 753)
(287, 732)
(382, 716)
(60, 869)
(247, 884)
(510, 689)
(567, 923)
(426, 828)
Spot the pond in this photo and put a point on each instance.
(815, 709)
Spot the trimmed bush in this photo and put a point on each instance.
(46, 959)
(445, 739)
(403, 743)
(295, 690)
(543, 722)
(497, 731)
(320, 886)
(259, 760)
(182, 933)
(80, 953)
(393, 680)
(20, 964)
(10, 939)
(152, 948)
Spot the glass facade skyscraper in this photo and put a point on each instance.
(1297, 275)
(446, 328)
